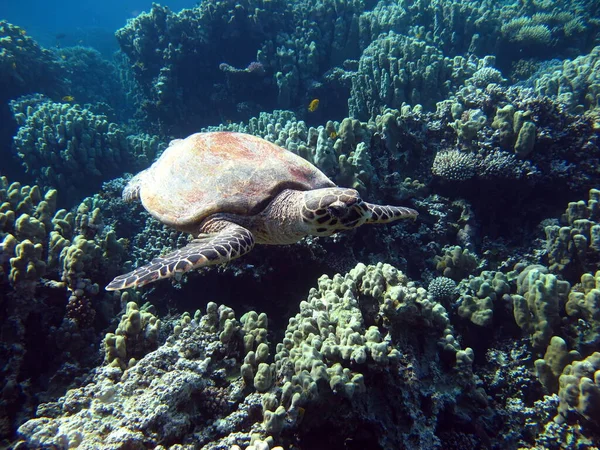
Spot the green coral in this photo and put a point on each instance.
(328, 338)
(69, 246)
(584, 304)
(538, 303)
(456, 263)
(135, 336)
(549, 368)
(575, 83)
(515, 130)
(575, 242)
(67, 146)
(25, 66)
(480, 295)
(579, 391)
(396, 69)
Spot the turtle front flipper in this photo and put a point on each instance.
(387, 213)
(231, 242)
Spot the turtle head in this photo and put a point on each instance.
(329, 210)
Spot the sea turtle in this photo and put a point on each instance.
(232, 190)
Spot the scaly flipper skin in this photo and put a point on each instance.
(387, 213)
(230, 242)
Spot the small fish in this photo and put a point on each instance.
(333, 135)
(68, 98)
(313, 105)
(23, 32)
(61, 36)
(14, 65)
(63, 57)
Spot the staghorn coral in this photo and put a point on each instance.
(454, 165)
(547, 26)
(525, 31)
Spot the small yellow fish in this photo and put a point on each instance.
(333, 135)
(63, 57)
(313, 105)
(68, 98)
(23, 32)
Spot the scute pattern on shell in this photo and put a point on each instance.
(222, 172)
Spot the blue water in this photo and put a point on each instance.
(84, 22)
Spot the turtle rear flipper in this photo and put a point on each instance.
(131, 191)
(231, 242)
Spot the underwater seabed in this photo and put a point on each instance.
(474, 326)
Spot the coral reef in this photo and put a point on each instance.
(396, 69)
(328, 353)
(573, 243)
(136, 335)
(580, 389)
(52, 261)
(476, 326)
(66, 146)
(199, 41)
(93, 79)
(575, 84)
(25, 67)
(72, 148)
